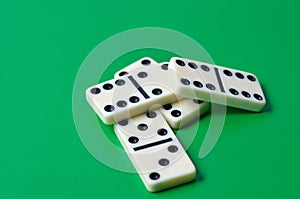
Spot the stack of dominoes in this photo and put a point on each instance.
(146, 100)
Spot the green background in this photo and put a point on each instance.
(43, 45)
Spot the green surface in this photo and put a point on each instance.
(43, 45)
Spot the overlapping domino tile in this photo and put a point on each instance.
(155, 151)
(178, 113)
(132, 94)
(218, 84)
(143, 63)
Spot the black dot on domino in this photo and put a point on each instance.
(196, 101)
(121, 103)
(198, 84)
(246, 94)
(95, 91)
(154, 176)
(258, 97)
(172, 148)
(185, 81)
(233, 91)
(205, 68)
(180, 62)
(146, 62)
(120, 82)
(156, 91)
(123, 122)
(142, 127)
(134, 99)
(142, 74)
(162, 132)
(227, 72)
(239, 75)
(163, 162)
(192, 65)
(109, 108)
(165, 66)
(151, 114)
(210, 86)
(107, 86)
(167, 106)
(251, 78)
(123, 73)
(176, 113)
(133, 139)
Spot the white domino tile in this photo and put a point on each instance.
(218, 84)
(155, 151)
(133, 94)
(180, 113)
(143, 63)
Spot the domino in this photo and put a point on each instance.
(155, 152)
(218, 84)
(142, 63)
(133, 94)
(179, 113)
